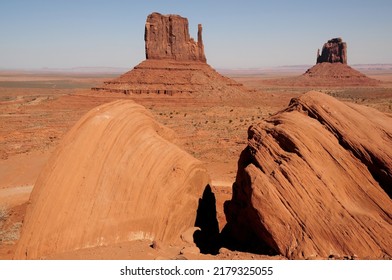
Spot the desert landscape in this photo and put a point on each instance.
(176, 160)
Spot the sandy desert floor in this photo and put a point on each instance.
(37, 109)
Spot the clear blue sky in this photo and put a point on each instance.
(237, 34)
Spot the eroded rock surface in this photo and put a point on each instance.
(334, 51)
(315, 181)
(331, 70)
(175, 64)
(170, 77)
(115, 177)
(167, 37)
(335, 74)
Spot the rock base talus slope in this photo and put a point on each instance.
(172, 77)
(315, 181)
(328, 75)
(113, 178)
(337, 74)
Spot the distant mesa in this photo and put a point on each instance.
(315, 182)
(334, 51)
(115, 177)
(175, 64)
(331, 69)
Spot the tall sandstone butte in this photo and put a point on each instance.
(331, 69)
(334, 51)
(167, 37)
(175, 64)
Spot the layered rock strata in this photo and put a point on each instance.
(175, 64)
(331, 70)
(335, 74)
(115, 177)
(172, 77)
(315, 182)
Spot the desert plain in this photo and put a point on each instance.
(38, 108)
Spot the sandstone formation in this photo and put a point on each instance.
(175, 64)
(315, 182)
(329, 75)
(334, 51)
(167, 37)
(331, 70)
(171, 77)
(335, 74)
(115, 177)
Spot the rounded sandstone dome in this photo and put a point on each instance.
(115, 177)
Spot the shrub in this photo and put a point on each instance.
(3, 213)
(11, 234)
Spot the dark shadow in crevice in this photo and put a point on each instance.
(244, 231)
(240, 236)
(237, 235)
(207, 238)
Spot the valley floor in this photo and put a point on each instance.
(36, 111)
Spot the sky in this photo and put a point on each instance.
(37, 34)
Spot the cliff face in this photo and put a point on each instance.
(167, 37)
(315, 181)
(334, 51)
(175, 64)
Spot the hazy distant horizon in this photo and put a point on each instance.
(115, 71)
(246, 34)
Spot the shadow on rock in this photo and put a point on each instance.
(207, 239)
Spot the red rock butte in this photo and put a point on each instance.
(167, 37)
(335, 50)
(175, 64)
(331, 69)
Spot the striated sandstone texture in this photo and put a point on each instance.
(334, 51)
(115, 177)
(167, 37)
(315, 182)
